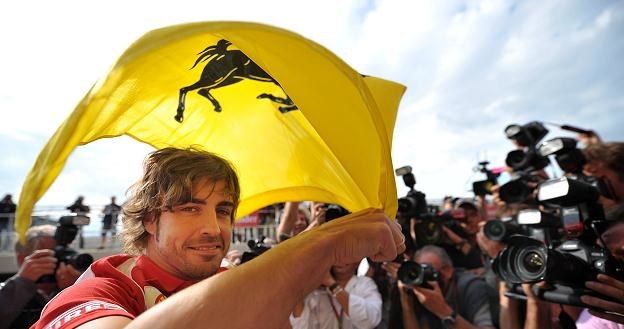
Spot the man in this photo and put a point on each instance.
(79, 207)
(109, 222)
(23, 296)
(464, 251)
(7, 211)
(344, 301)
(606, 161)
(177, 229)
(459, 300)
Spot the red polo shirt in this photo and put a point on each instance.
(119, 285)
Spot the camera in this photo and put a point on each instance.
(256, 248)
(65, 233)
(526, 135)
(414, 203)
(567, 264)
(417, 275)
(485, 186)
(333, 211)
(428, 226)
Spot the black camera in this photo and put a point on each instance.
(429, 230)
(564, 265)
(333, 211)
(66, 231)
(526, 135)
(485, 186)
(417, 275)
(414, 203)
(256, 248)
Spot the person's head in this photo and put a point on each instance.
(613, 236)
(344, 271)
(180, 213)
(303, 219)
(113, 199)
(606, 161)
(7, 199)
(472, 216)
(37, 238)
(439, 259)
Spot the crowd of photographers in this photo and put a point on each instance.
(530, 252)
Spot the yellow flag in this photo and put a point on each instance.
(295, 120)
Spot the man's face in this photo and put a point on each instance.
(301, 224)
(614, 240)
(344, 271)
(472, 221)
(190, 240)
(609, 175)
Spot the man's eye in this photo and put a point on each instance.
(224, 212)
(189, 209)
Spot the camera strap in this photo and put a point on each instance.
(338, 316)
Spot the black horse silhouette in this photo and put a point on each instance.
(226, 67)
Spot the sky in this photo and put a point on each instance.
(471, 68)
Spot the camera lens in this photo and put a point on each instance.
(530, 264)
(81, 261)
(411, 274)
(515, 191)
(494, 230)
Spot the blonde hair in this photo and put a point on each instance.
(168, 177)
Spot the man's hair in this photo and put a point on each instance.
(467, 205)
(445, 260)
(32, 235)
(609, 154)
(168, 177)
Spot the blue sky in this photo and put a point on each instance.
(471, 68)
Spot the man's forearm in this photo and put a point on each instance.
(237, 298)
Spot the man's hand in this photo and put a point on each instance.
(318, 211)
(328, 280)
(391, 269)
(433, 300)
(39, 263)
(611, 287)
(489, 247)
(367, 233)
(66, 275)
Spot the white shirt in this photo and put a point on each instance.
(364, 307)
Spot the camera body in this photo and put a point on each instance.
(333, 211)
(66, 231)
(414, 274)
(256, 248)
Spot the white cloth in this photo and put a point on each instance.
(364, 307)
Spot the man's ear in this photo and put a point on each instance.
(150, 224)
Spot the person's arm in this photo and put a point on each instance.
(287, 219)
(15, 293)
(273, 283)
(317, 212)
(508, 317)
(537, 311)
(407, 308)
(611, 287)
(433, 300)
(460, 243)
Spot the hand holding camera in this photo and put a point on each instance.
(39, 263)
(607, 286)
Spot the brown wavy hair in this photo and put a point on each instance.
(168, 177)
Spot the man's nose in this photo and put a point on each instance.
(210, 225)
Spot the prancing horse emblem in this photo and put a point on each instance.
(226, 67)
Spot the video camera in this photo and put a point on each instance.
(567, 264)
(523, 162)
(66, 231)
(484, 187)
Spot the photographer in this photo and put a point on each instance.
(464, 251)
(344, 301)
(22, 297)
(459, 300)
(295, 219)
(606, 161)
